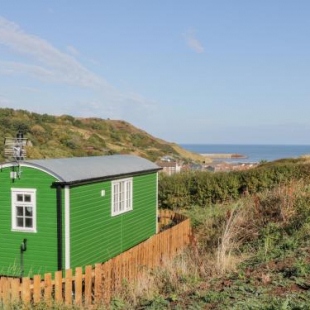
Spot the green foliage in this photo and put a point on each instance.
(157, 303)
(209, 221)
(203, 188)
(139, 140)
(117, 304)
(96, 141)
(67, 136)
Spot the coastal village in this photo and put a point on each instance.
(212, 163)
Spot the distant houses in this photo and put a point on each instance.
(171, 166)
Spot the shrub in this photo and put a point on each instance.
(202, 188)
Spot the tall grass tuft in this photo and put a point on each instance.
(227, 256)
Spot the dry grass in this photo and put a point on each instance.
(242, 223)
(194, 266)
(227, 255)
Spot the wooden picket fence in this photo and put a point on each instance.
(96, 285)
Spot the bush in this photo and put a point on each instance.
(203, 188)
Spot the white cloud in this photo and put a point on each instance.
(73, 51)
(45, 60)
(34, 58)
(11, 68)
(193, 42)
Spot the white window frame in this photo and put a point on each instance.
(24, 204)
(121, 196)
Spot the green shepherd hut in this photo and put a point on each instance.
(64, 213)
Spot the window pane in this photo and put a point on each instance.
(19, 197)
(128, 195)
(28, 222)
(116, 197)
(115, 202)
(27, 198)
(122, 199)
(28, 211)
(19, 211)
(19, 222)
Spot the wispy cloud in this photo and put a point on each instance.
(193, 42)
(73, 51)
(44, 61)
(36, 58)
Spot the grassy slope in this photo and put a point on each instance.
(66, 136)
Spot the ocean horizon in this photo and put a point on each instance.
(253, 153)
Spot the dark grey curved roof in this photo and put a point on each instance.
(81, 169)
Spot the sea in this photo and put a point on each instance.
(252, 153)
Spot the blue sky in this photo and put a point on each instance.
(185, 71)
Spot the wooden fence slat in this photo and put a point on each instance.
(78, 286)
(48, 288)
(68, 287)
(26, 295)
(107, 279)
(1, 288)
(98, 283)
(123, 263)
(15, 284)
(58, 286)
(6, 291)
(117, 274)
(37, 289)
(88, 285)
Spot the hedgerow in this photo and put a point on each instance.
(202, 188)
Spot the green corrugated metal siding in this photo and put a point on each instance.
(41, 254)
(98, 236)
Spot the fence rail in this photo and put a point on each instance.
(86, 286)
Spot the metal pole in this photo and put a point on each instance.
(23, 248)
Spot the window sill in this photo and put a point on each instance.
(119, 213)
(23, 230)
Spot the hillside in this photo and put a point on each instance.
(67, 136)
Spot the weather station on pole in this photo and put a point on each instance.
(15, 150)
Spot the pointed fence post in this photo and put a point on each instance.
(37, 291)
(78, 286)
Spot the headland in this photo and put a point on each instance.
(224, 155)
